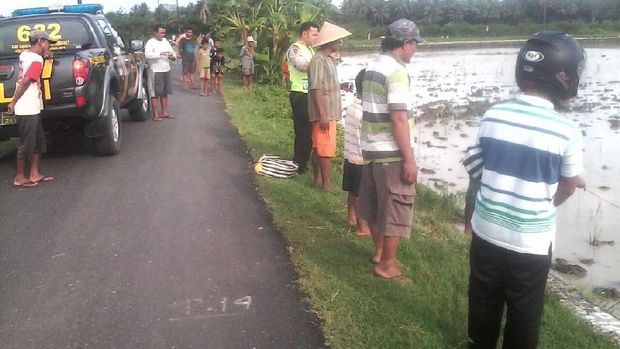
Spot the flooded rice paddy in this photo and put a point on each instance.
(450, 91)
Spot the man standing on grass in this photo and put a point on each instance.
(27, 104)
(390, 171)
(324, 104)
(298, 58)
(531, 161)
(158, 52)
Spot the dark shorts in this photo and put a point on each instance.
(352, 177)
(31, 137)
(385, 199)
(189, 65)
(159, 84)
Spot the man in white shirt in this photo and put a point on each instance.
(158, 52)
(27, 103)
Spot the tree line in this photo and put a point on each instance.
(441, 12)
(274, 23)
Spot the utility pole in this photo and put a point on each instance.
(177, 10)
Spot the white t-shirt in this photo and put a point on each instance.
(153, 50)
(352, 133)
(31, 102)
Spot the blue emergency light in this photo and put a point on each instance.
(30, 11)
(83, 8)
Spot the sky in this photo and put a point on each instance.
(7, 6)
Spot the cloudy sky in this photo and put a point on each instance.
(7, 6)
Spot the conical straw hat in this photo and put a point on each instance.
(330, 32)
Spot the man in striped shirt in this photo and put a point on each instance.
(387, 189)
(529, 158)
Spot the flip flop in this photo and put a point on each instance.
(45, 179)
(169, 116)
(156, 119)
(26, 184)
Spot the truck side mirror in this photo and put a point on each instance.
(136, 45)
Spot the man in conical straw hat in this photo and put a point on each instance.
(324, 107)
(390, 170)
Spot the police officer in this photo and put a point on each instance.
(299, 55)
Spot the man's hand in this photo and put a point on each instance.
(581, 183)
(10, 108)
(566, 188)
(346, 86)
(324, 124)
(410, 171)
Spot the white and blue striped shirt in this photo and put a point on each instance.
(527, 146)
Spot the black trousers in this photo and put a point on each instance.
(302, 128)
(499, 276)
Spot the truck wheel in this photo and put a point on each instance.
(139, 109)
(110, 142)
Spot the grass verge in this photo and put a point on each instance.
(358, 310)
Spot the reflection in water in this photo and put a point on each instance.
(451, 90)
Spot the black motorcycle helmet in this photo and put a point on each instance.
(551, 62)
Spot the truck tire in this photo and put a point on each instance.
(139, 109)
(110, 142)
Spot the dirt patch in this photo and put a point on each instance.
(562, 266)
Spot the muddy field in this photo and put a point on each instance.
(451, 90)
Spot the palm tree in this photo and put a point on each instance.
(205, 13)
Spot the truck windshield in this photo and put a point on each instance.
(71, 34)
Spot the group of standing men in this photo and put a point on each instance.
(159, 52)
(386, 186)
(527, 160)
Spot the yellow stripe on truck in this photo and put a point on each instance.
(46, 75)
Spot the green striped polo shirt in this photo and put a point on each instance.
(386, 89)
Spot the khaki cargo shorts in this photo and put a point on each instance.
(385, 199)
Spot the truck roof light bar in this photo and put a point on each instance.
(84, 8)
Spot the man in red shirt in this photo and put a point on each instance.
(27, 105)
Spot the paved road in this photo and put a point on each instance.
(163, 246)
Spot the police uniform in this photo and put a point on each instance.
(298, 57)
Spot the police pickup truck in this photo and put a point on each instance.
(91, 75)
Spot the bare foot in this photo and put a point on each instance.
(397, 278)
(388, 274)
(352, 220)
(23, 182)
(376, 258)
(329, 188)
(362, 233)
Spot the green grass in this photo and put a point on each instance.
(356, 309)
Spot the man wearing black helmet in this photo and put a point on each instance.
(528, 159)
